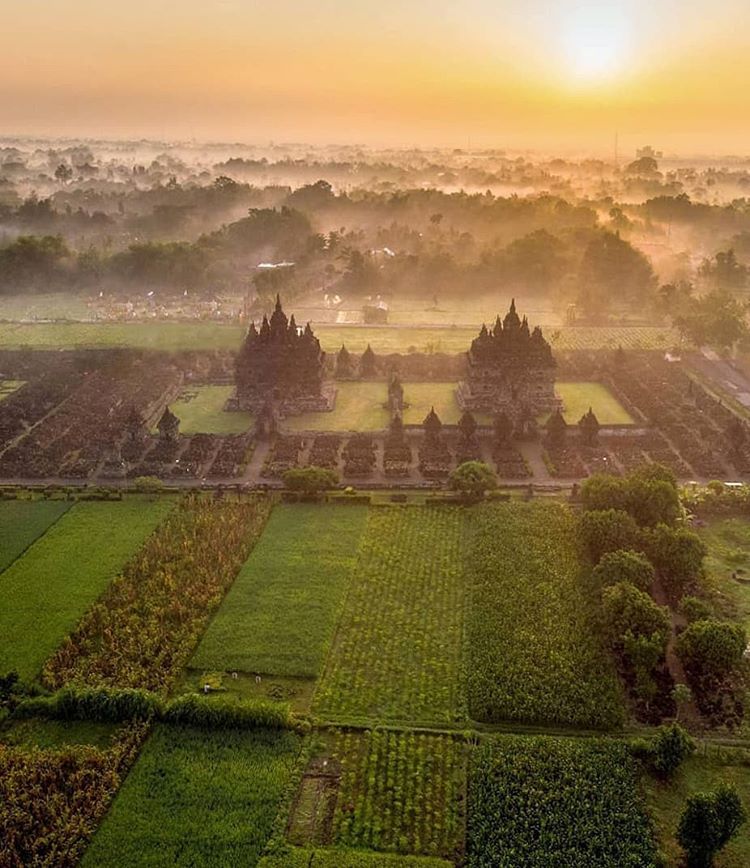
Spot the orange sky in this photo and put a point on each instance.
(495, 73)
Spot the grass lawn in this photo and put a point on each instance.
(359, 407)
(50, 587)
(442, 396)
(23, 521)
(578, 397)
(197, 798)
(666, 801)
(535, 655)
(279, 616)
(397, 651)
(728, 541)
(200, 410)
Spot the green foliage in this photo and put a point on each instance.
(98, 704)
(397, 651)
(197, 798)
(297, 857)
(473, 477)
(626, 610)
(556, 801)
(612, 270)
(649, 494)
(148, 484)
(310, 480)
(279, 615)
(63, 572)
(145, 627)
(24, 521)
(708, 823)
(677, 554)
(399, 791)
(624, 566)
(607, 530)
(670, 747)
(534, 651)
(695, 609)
(221, 713)
(712, 648)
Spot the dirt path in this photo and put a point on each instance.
(689, 716)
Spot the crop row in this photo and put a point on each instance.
(398, 647)
(399, 791)
(144, 628)
(556, 802)
(534, 652)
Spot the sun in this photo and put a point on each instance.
(595, 42)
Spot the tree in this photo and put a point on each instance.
(670, 747)
(716, 319)
(708, 822)
(628, 611)
(613, 273)
(473, 477)
(724, 271)
(649, 494)
(606, 530)
(310, 480)
(711, 648)
(624, 565)
(63, 173)
(677, 554)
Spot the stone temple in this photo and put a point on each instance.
(510, 370)
(283, 364)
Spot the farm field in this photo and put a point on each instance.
(22, 522)
(197, 798)
(200, 410)
(534, 653)
(280, 614)
(298, 857)
(700, 773)
(556, 801)
(48, 589)
(8, 387)
(360, 406)
(176, 336)
(392, 791)
(578, 397)
(397, 651)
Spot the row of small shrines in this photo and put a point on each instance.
(509, 368)
(503, 426)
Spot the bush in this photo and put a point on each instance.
(624, 565)
(221, 713)
(711, 648)
(709, 821)
(695, 609)
(310, 480)
(473, 477)
(98, 704)
(607, 530)
(669, 748)
(148, 484)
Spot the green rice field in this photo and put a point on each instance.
(50, 587)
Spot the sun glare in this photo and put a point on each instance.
(595, 42)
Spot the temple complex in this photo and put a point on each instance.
(283, 363)
(511, 370)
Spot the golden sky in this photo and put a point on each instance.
(539, 73)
